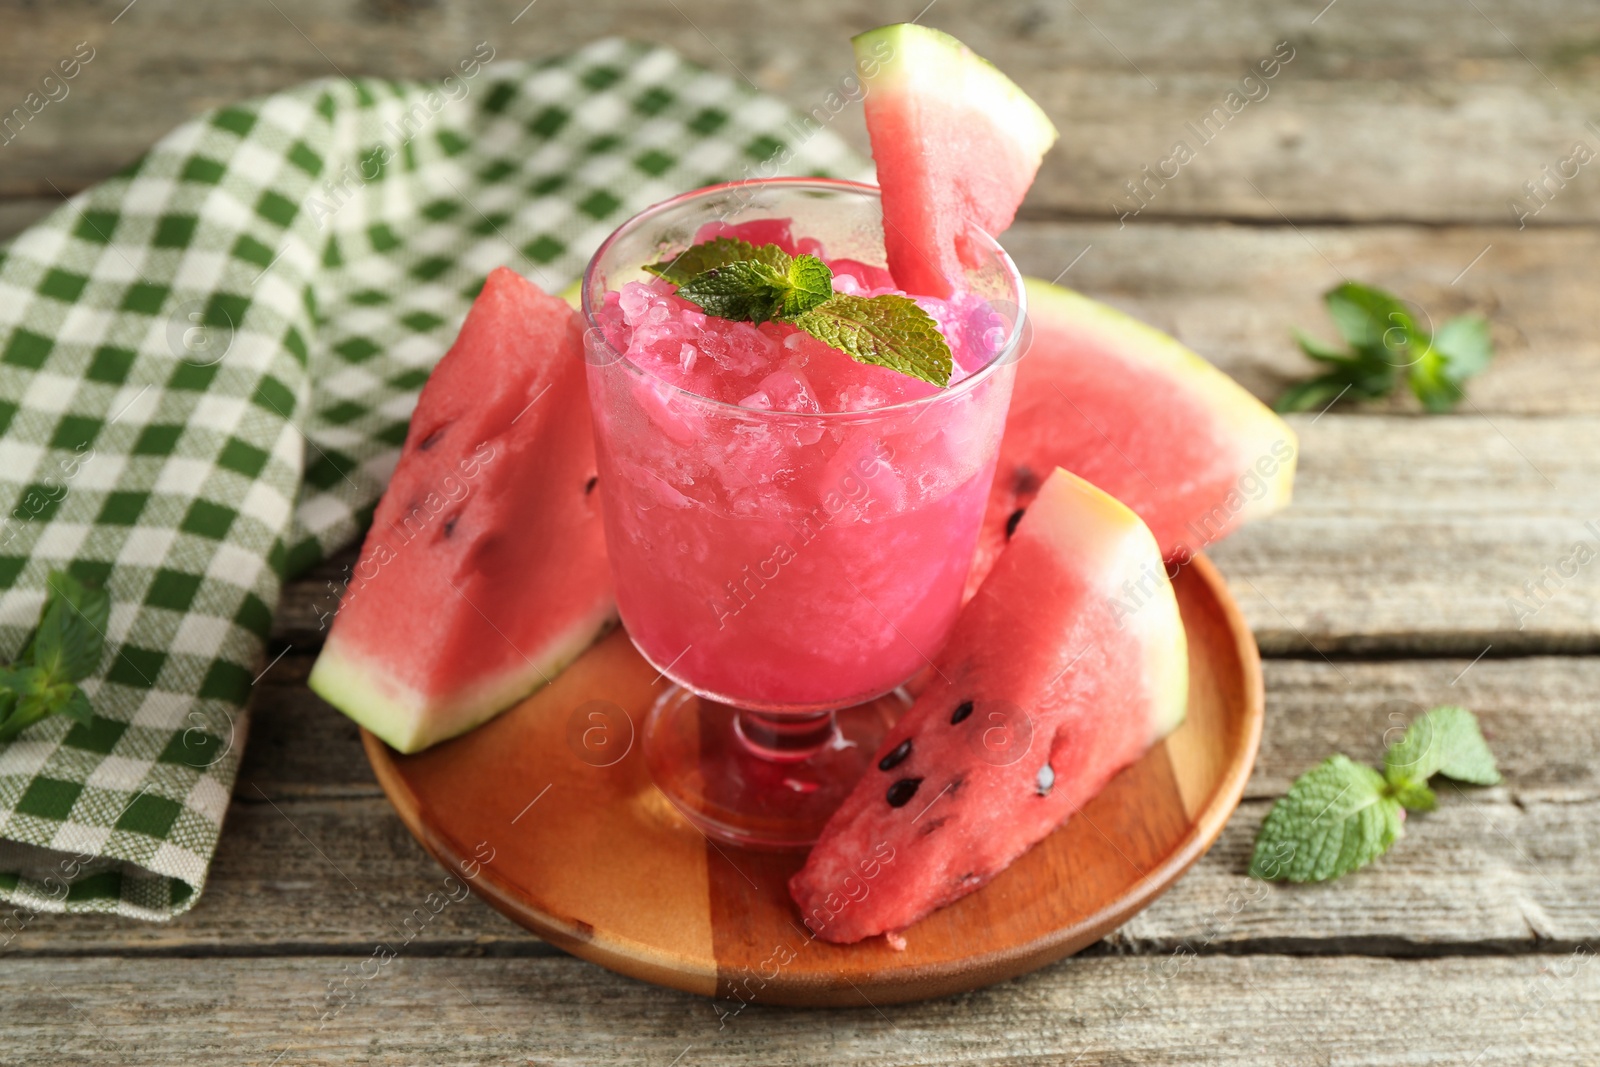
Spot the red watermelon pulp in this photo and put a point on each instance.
(1055, 678)
(956, 145)
(1142, 417)
(484, 572)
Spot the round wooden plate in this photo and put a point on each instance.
(596, 861)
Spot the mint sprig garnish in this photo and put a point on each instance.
(755, 290)
(1387, 343)
(733, 279)
(1341, 815)
(63, 650)
(887, 330)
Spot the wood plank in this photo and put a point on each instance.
(1260, 283)
(1439, 118)
(1503, 868)
(1407, 535)
(1202, 1010)
(1416, 535)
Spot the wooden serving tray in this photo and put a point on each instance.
(595, 860)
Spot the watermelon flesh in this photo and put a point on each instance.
(1056, 677)
(956, 145)
(1142, 417)
(484, 572)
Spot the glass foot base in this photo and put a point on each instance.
(761, 781)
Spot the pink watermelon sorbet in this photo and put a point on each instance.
(789, 529)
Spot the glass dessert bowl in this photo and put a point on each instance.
(789, 529)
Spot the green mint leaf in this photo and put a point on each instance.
(717, 252)
(1314, 394)
(733, 279)
(36, 696)
(759, 289)
(76, 707)
(1317, 350)
(1386, 344)
(1352, 380)
(810, 284)
(748, 291)
(1413, 795)
(1430, 381)
(1336, 818)
(71, 633)
(1465, 345)
(64, 648)
(1447, 741)
(1376, 324)
(889, 331)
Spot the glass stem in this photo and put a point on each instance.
(785, 738)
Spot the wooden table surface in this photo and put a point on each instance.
(1389, 149)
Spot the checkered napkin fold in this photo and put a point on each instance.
(207, 364)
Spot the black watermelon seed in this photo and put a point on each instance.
(902, 791)
(1011, 523)
(450, 525)
(897, 757)
(962, 711)
(1047, 779)
(588, 486)
(433, 438)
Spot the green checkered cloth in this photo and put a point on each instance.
(207, 365)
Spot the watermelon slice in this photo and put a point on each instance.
(1069, 663)
(1142, 417)
(956, 144)
(484, 572)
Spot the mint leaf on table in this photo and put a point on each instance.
(733, 279)
(1371, 320)
(1335, 819)
(1386, 344)
(64, 649)
(1413, 795)
(889, 331)
(1447, 741)
(1341, 815)
(1457, 352)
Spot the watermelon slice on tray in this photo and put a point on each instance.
(484, 572)
(1142, 417)
(1069, 663)
(956, 143)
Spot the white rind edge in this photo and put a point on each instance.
(360, 688)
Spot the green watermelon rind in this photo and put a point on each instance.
(360, 687)
(1252, 425)
(931, 63)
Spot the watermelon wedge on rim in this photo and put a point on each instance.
(484, 572)
(1069, 663)
(956, 143)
